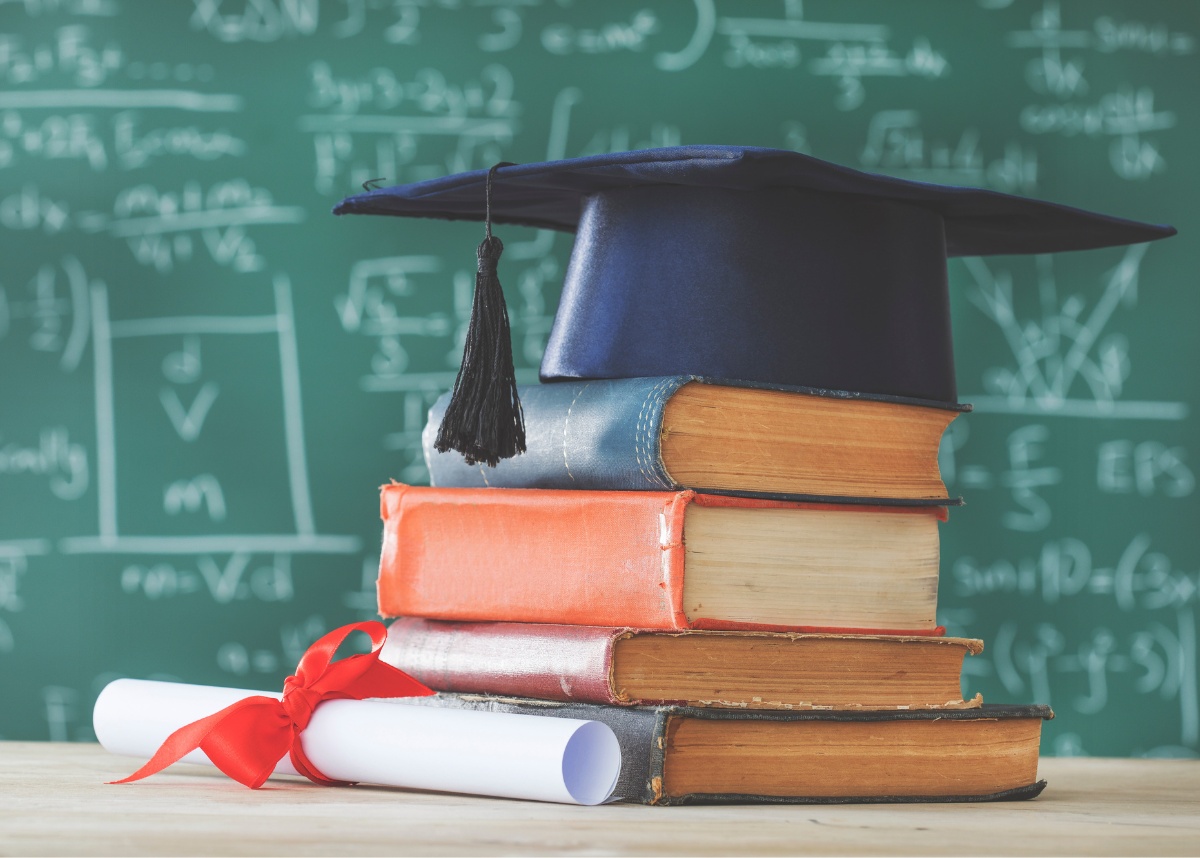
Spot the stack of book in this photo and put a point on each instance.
(741, 581)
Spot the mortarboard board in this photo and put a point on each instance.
(759, 265)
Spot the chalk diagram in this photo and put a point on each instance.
(1064, 362)
(202, 492)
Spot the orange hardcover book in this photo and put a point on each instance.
(657, 560)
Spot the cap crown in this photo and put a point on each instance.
(755, 264)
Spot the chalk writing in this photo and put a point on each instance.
(126, 141)
(237, 658)
(62, 462)
(631, 35)
(13, 565)
(849, 64)
(352, 146)
(1064, 568)
(29, 209)
(58, 137)
(369, 307)
(57, 311)
(194, 495)
(224, 582)
(257, 20)
(1112, 35)
(372, 307)
(135, 146)
(188, 422)
(1024, 478)
(1158, 660)
(70, 55)
(1148, 468)
(1028, 473)
(509, 26)
(852, 51)
(1127, 114)
(897, 145)
(1107, 35)
(1065, 352)
(98, 8)
(161, 227)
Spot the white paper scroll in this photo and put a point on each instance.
(389, 743)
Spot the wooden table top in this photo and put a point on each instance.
(53, 801)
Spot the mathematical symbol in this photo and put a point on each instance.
(189, 422)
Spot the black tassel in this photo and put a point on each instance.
(484, 420)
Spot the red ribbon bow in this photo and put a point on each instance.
(247, 739)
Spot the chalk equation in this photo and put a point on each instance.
(849, 53)
(1084, 672)
(1156, 662)
(373, 124)
(239, 578)
(1145, 469)
(165, 228)
(1126, 115)
(52, 314)
(897, 145)
(1064, 570)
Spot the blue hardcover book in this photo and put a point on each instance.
(716, 437)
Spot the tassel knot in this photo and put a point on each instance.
(488, 252)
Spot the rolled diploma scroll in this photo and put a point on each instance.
(389, 743)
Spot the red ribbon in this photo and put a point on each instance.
(247, 739)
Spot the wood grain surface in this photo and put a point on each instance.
(53, 801)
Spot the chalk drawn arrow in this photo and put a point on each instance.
(188, 422)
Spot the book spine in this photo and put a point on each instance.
(546, 662)
(579, 435)
(534, 556)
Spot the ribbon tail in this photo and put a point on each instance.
(210, 730)
(178, 745)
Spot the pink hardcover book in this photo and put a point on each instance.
(620, 666)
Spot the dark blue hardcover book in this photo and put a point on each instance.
(716, 437)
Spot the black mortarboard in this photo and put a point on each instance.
(753, 264)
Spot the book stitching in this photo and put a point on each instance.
(642, 433)
(566, 423)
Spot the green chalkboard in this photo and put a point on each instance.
(204, 377)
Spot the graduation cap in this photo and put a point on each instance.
(730, 262)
